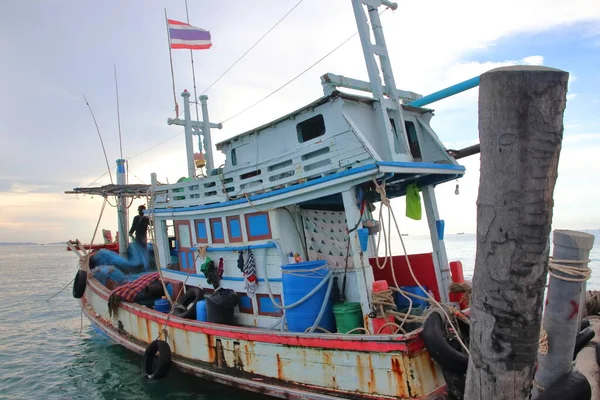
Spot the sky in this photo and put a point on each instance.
(57, 51)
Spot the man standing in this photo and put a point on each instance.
(140, 227)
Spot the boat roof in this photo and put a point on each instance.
(129, 190)
(333, 96)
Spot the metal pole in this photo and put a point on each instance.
(118, 111)
(189, 144)
(206, 132)
(122, 210)
(562, 308)
(171, 61)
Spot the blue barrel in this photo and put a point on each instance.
(402, 302)
(162, 305)
(201, 311)
(298, 280)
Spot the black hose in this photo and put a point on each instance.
(582, 339)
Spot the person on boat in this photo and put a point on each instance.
(140, 227)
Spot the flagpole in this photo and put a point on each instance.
(187, 16)
(171, 60)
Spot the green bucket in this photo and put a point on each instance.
(348, 316)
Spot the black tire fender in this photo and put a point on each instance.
(439, 349)
(79, 284)
(157, 360)
(572, 386)
(186, 304)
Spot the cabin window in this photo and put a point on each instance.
(413, 141)
(258, 226)
(245, 304)
(311, 128)
(216, 228)
(201, 234)
(266, 307)
(234, 228)
(184, 235)
(233, 157)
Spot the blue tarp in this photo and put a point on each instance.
(138, 259)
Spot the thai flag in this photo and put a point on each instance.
(185, 36)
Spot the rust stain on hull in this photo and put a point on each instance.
(360, 372)
(279, 368)
(372, 382)
(399, 378)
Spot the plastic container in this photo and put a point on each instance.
(201, 311)
(348, 316)
(298, 280)
(402, 302)
(363, 238)
(380, 321)
(162, 305)
(220, 306)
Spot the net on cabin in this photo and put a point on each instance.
(326, 236)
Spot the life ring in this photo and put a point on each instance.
(157, 360)
(186, 305)
(439, 349)
(572, 386)
(79, 284)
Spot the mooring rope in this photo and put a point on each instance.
(380, 189)
(575, 270)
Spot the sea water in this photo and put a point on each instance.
(48, 350)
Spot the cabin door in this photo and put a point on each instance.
(183, 233)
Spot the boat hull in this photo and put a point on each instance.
(281, 364)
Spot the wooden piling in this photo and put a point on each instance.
(571, 250)
(520, 132)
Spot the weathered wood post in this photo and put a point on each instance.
(571, 250)
(520, 131)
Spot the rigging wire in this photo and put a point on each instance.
(251, 47)
(100, 136)
(290, 81)
(296, 77)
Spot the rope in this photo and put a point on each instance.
(592, 302)
(380, 189)
(573, 273)
(462, 287)
(543, 350)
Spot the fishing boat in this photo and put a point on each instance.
(269, 264)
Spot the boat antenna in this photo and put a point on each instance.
(100, 136)
(118, 110)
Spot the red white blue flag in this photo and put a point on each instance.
(186, 36)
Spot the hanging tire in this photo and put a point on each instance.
(186, 305)
(79, 284)
(157, 360)
(439, 349)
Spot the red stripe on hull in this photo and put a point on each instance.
(410, 345)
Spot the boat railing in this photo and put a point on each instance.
(303, 164)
